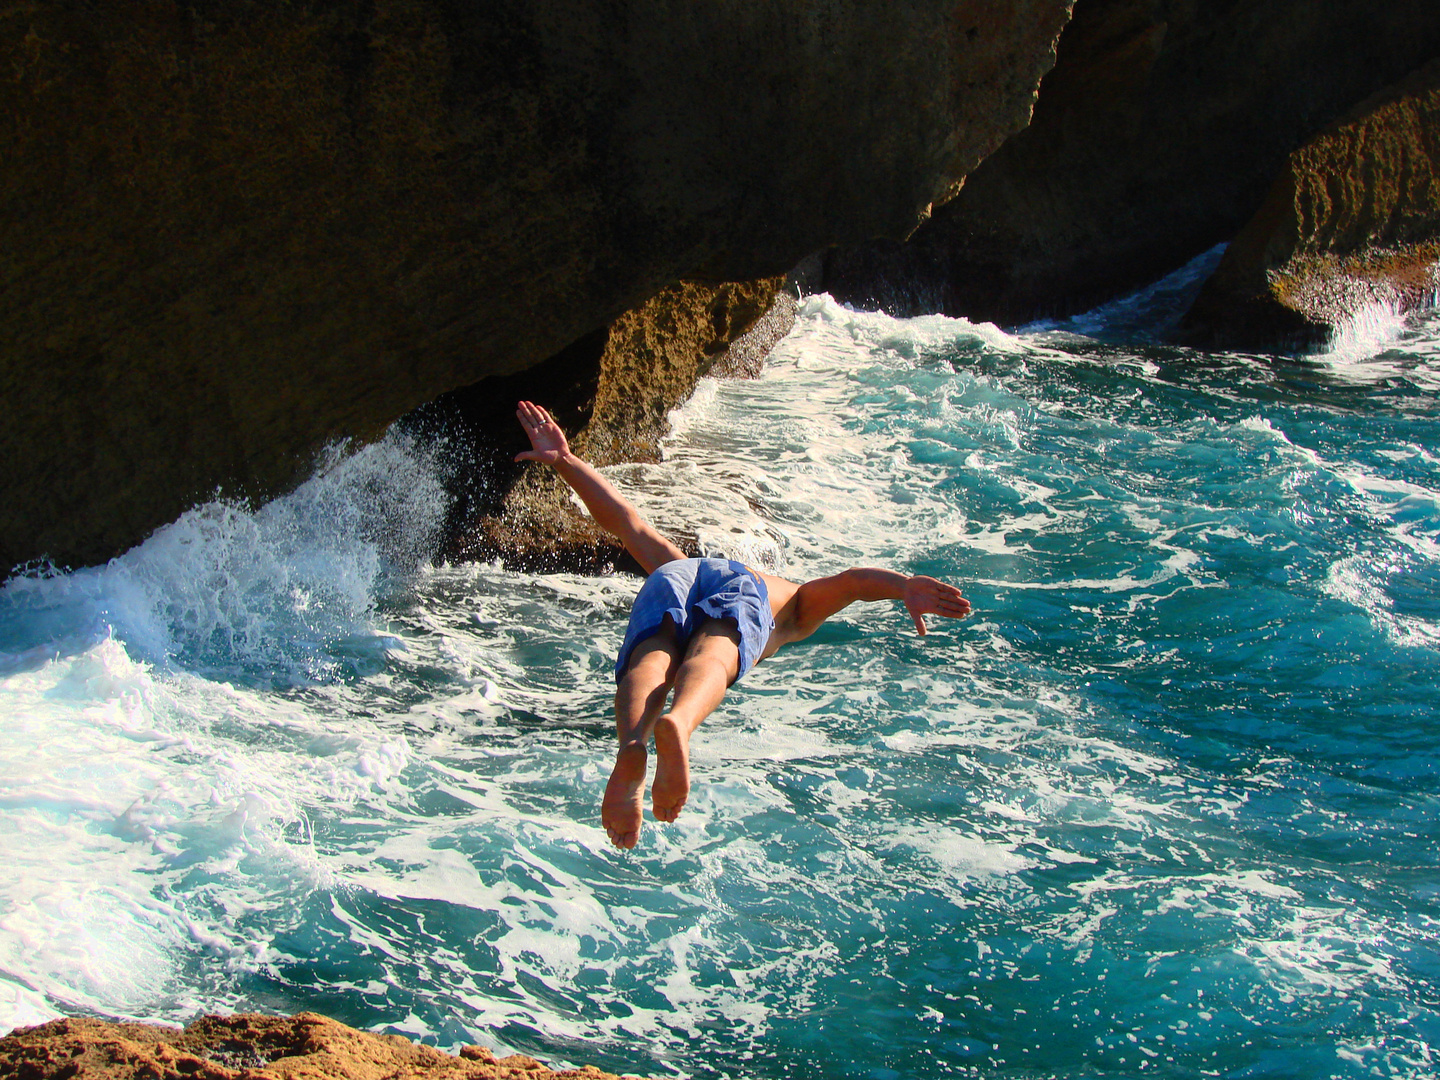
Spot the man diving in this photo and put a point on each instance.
(698, 625)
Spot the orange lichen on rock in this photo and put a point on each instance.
(306, 1046)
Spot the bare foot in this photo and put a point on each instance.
(672, 770)
(621, 811)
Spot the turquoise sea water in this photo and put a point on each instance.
(1165, 805)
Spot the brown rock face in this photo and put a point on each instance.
(611, 392)
(234, 231)
(249, 1047)
(1352, 220)
(1155, 137)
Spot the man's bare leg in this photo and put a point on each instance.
(712, 661)
(638, 701)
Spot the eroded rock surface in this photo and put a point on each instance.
(233, 231)
(249, 1047)
(1353, 221)
(1156, 137)
(610, 392)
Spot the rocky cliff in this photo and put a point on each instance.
(234, 231)
(1156, 136)
(1352, 222)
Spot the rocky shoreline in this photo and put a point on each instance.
(248, 1046)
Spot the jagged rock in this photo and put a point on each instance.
(1353, 221)
(611, 393)
(306, 1046)
(234, 231)
(1155, 137)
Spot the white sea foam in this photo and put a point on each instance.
(1380, 579)
(957, 855)
(798, 488)
(1362, 581)
(1379, 342)
(271, 588)
(122, 774)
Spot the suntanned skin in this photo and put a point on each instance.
(699, 674)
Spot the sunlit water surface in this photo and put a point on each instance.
(1165, 805)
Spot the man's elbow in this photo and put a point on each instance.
(818, 600)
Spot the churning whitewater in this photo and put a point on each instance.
(1165, 804)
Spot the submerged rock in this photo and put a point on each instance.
(1155, 137)
(234, 232)
(249, 1047)
(1352, 222)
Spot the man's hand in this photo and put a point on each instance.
(927, 596)
(547, 441)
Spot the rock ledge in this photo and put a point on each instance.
(249, 1047)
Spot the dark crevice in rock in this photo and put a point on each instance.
(475, 426)
(1156, 135)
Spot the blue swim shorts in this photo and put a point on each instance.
(717, 588)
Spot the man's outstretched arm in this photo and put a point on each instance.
(611, 511)
(817, 600)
